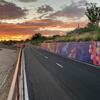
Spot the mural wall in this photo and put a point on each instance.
(84, 51)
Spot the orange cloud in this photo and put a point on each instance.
(27, 29)
(54, 23)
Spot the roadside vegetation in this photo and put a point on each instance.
(89, 33)
(92, 31)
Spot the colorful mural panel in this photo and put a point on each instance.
(84, 51)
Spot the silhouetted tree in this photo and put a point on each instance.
(93, 13)
(37, 36)
(55, 36)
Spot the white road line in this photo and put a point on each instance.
(59, 65)
(25, 80)
(46, 57)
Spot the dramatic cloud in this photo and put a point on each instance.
(43, 23)
(81, 3)
(45, 27)
(76, 9)
(49, 23)
(27, 0)
(10, 11)
(44, 9)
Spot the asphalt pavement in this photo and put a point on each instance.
(52, 77)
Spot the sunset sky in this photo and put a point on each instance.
(20, 19)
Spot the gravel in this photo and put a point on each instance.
(8, 58)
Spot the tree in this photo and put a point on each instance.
(37, 36)
(93, 13)
(55, 36)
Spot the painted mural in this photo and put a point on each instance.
(84, 51)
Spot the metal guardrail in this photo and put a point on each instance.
(14, 92)
(25, 92)
(18, 89)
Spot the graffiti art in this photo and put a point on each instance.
(88, 52)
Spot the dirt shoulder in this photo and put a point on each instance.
(8, 58)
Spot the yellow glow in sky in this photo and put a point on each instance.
(16, 38)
